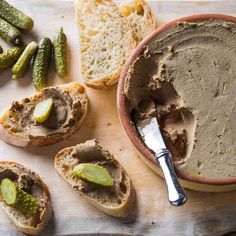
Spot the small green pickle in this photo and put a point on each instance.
(60, 53)
(23, 62)
(15, 16)
(9, 57)
(93, 173)
(9, 33)
(41, 63)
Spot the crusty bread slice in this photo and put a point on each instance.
(19, 128)
(119, 200)
(27, 224)
(140, 16)
(106, 41)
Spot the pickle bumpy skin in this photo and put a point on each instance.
(93, 173)
(9, 33)
(22, 64)
(9, 57)
(60, 53)
(15, 17)
(18, 198)
(42, 63)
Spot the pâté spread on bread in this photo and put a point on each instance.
(98, 176)
(189, 71)
(25, 124)
(24, 197)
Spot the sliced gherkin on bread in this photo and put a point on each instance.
(117, 198)
(24, 197)
(45, 118)
(18, 198)
(42, 110)
(93, 173)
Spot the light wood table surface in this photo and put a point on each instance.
(210, 214)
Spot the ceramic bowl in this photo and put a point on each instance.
(187, 180)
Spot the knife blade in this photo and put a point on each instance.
(151, 135)
(150, 131)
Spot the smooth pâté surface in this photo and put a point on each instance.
(184, 60)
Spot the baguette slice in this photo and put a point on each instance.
(140, 16)
(19, 127)
(119, 200)
(21, 175)
(106, 41)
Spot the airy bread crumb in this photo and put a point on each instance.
(106, 41)
(140, 16)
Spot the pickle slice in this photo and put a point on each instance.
(9, 191)
(42, 110)
(93, 173)
(18, 198)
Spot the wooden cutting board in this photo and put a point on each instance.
(203, 214)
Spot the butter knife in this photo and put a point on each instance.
(152, 137)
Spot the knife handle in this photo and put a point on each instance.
(177, 196)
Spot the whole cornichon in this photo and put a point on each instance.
(41, 63)
(21, 65)
(15, 16)
(10, 33)
(60, 53)
(9, 57)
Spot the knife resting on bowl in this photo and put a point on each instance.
(152, 137)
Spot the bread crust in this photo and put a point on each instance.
(46, 214)
(151, 17)
(105, 82)
(124, 210)
(12, 138)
